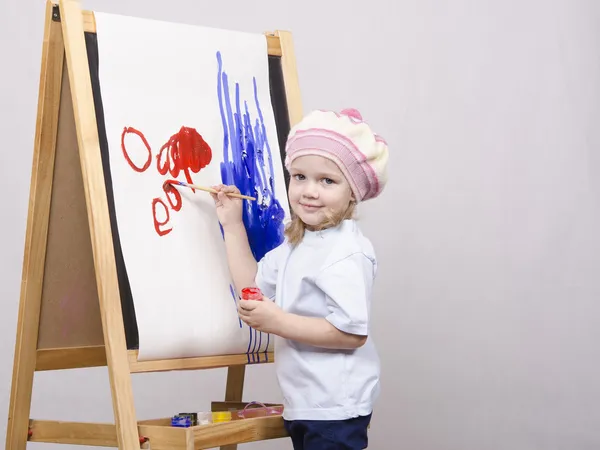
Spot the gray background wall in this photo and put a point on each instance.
(486, 308)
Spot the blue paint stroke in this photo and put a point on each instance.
(250, 329)
(267, 347)
(246, 151)
(254, 358)
(235, 302)
(259, 341)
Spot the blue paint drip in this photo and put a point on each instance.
(256, 337)
(267, 347)
(246, 152)
(235, 301)
(249, 340)
(260, 342)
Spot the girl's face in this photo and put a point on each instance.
(317, 186)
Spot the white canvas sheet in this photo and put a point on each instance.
(156, 78)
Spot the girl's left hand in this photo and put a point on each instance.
(262, 315)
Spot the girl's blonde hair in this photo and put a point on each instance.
(294, 231)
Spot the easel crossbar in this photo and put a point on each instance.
(159, 433)
(273, 43)
(95, 356)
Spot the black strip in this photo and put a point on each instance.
(282, 121)
(127, 306)
(280, 109)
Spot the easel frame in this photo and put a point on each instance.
(64, 43)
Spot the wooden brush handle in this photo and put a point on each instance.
(229, 194)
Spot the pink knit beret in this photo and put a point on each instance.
(345, 139)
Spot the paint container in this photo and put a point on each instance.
(221, 416)
(186, 420)
(193, 417)
(204, 418)
(257, 409)
(252, 293)
(181, 421)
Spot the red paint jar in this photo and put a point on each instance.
(252, 293)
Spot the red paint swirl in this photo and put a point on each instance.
(157, 223)
(185, 151)
(170, 189)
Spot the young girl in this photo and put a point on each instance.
(318, 283)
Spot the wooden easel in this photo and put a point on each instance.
(69, 241)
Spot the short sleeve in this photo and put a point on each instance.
(267, 270)
(347, 285)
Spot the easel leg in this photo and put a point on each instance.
(99, 222)
(234, 391)
(36, 235)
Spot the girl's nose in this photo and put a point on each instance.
(311, 191)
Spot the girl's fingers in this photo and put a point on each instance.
(222, 197)
(248, 305)
(232, 189)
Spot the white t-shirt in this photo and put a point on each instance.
(329, 274)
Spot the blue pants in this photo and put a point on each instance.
(350, 434)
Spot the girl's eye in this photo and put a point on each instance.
(328, 180)
(299, 177)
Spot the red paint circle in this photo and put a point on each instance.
(126, 154)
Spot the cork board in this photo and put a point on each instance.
(70, 310)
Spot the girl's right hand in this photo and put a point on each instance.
(229, 209)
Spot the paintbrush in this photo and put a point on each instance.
(206, 189)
